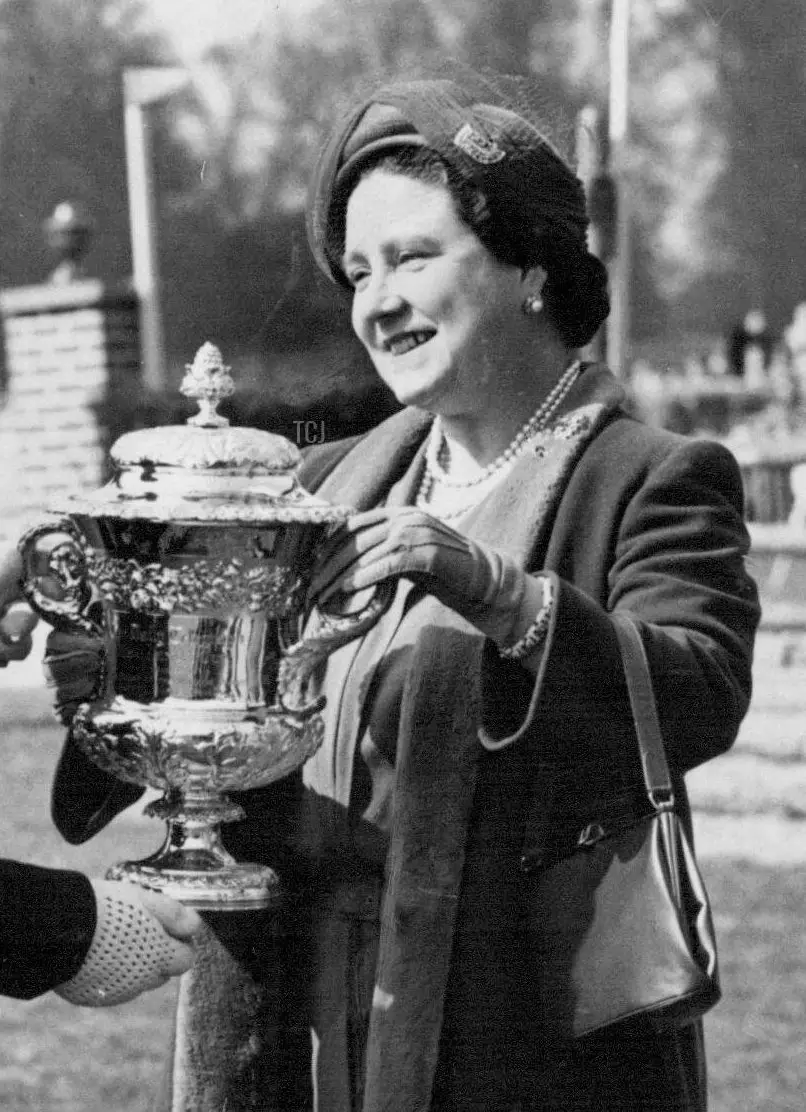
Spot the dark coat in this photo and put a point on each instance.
(642, 520)
(648, 522)
(47, 920)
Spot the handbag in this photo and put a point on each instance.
(621, 925)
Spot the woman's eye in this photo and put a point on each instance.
(356, 278)
(410, 258)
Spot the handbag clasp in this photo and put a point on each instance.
(662, 799)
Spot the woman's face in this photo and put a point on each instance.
(432, 306)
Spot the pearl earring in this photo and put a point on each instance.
(532, 305)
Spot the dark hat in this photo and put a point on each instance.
(381, 128)
(527, 183)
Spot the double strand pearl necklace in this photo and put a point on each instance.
(434, 474)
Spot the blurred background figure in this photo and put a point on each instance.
(655, 396)
(795, 342)
(716, 361)
(750, 348)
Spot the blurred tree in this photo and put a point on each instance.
(61, 125)
(718, 155)
(258, 119)
(757, 210)
(677, 150)
(263, 110)
(717, 162)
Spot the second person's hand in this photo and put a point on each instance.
(141, 940)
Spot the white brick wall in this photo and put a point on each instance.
(61, 344)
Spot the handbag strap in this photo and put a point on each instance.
(654, 765)
(655, 768)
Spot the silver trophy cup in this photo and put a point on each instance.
(192, 567)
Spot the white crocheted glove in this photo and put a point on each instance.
(141, 940)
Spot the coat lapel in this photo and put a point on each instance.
(377, 462)
(383, 460)
(435, 780)
(518, 515)
(378, 469)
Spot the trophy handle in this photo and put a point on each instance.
(329, 633)
(55, 580)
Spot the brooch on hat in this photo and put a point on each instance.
(478, 146)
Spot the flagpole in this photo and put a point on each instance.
(142, 87)
(618, 325)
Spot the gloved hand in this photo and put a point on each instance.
(485, 586)
(73, 665)
(16, 625)
(10, 576)
(141, 940)
(17, 620)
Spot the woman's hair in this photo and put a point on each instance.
(575, 293)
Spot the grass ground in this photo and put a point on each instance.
(757, 1034)
(56, 1058)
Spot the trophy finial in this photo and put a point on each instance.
(209, 381)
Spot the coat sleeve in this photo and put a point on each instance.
(47, 920)
(675, 559)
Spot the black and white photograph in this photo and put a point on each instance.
(402, 555)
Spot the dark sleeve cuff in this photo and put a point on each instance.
(84, 798)
(576, 710)
(580, 663)
(509, 693)
(47, 921)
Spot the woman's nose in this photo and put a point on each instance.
(383, 299)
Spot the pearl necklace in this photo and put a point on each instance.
(474, 490)
(436, 473)
(447, 503)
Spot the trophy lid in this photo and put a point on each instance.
(206, 470)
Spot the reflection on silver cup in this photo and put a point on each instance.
(191, 567)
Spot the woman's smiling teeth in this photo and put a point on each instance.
(405, 341)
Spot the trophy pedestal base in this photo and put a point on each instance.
(236, 887)
(193, 866)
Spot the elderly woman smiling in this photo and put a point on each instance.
(519, 507)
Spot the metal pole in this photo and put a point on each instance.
(592, 168)
(142, 87)
(143, 224)
(618, 125)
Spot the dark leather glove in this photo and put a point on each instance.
(485, 586)
(17, 620)
(73, 667)
(16, 625)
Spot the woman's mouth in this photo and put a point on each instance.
(406, 341)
